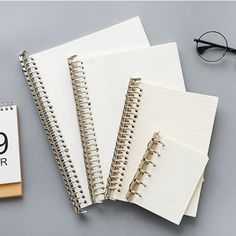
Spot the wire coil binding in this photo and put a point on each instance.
(125, 135)
(53, 132)
(151, 151)
(6, 106)
(87, 130)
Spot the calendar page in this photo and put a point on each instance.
(9, 145)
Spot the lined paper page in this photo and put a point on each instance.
(184, 117)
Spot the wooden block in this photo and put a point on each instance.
(11, 190)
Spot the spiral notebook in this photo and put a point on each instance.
(48, 78)
(184, 117)
(10, 168)
(99, 85)
(166, 178)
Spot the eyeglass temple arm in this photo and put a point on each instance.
(204, 48)
(233, 50)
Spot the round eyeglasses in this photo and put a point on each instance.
(212, 46)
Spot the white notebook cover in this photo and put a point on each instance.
(172, 181)
(53, 68)
(184, 117)
(107, 78)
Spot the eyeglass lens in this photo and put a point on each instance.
(212, 52)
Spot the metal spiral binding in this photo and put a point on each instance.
(150, 152)
(6, 106)
(125, 135)
(53, 132)
(87, 130)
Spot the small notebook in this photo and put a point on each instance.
(99, 85)
(166, 178)
(47, 74)
(10, 170)
(184, 117)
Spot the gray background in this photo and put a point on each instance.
(45, 209)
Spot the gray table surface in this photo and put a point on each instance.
(45, 209)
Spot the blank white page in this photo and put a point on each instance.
(53, 68)
(107, 78)
(184, 117)
(10, 171)
(172, 182)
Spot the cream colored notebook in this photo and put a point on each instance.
(48, 77)
(99, 85)
(166, 178)
(184, 117)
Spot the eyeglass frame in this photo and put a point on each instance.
(227, 48)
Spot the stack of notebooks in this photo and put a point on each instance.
(119, 121)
